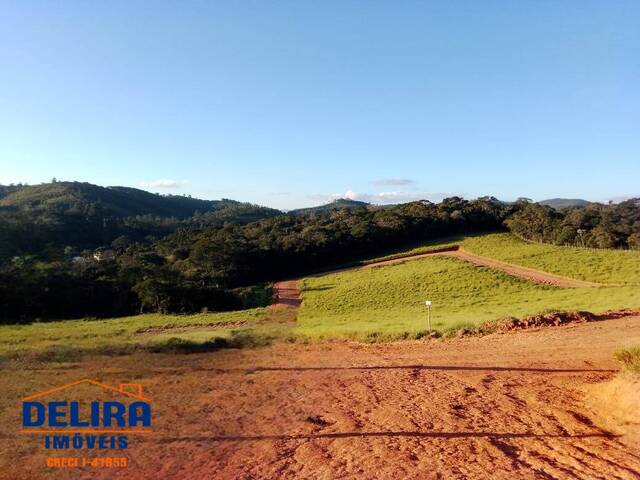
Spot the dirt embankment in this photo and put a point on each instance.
(552, 319)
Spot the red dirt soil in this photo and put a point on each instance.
(286, 294)
(502, 406)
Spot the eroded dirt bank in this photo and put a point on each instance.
(501, 406)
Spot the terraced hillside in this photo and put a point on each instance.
(386, 302)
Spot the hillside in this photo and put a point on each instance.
(182, 265)
(78, 197)
(387, 301)
(46, 218)
(608, 266)
(337, 204)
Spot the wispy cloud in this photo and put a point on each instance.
(384, 198)
(163, 184)
(393, 181)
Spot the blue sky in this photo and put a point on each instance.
(291, 103)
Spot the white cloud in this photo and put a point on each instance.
(393, 181)
(163, 184)
(384, 198)
(349, 194)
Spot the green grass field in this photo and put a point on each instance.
(69, 339)
(602, 266)
(387, 302)
(373, 304)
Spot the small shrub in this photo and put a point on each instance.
(630, 357)
(255, 295)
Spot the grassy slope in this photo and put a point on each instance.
(63, 340)
(630, 357)
(386, 302)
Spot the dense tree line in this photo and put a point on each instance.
(293, 245)
(595, 225)
(137, 281)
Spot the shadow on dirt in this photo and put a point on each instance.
(428, 367)
(335, 435)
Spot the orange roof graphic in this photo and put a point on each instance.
(122, 389)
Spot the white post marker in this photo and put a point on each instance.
(428, 304)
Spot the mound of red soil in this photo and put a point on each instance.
(552, 319)
(548, 319)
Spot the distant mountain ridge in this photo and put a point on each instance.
(337, 204)
(116, 201)
(560, 203)
(80, 197)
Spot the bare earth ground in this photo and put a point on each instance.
(286, 293)
(500, 406)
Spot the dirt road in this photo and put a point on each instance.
(519, 271)
(530, 274)
(495, 407)
(286, 294)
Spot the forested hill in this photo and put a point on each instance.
(337, 204)
(45, 219)
(85, 198)
(212, 267)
